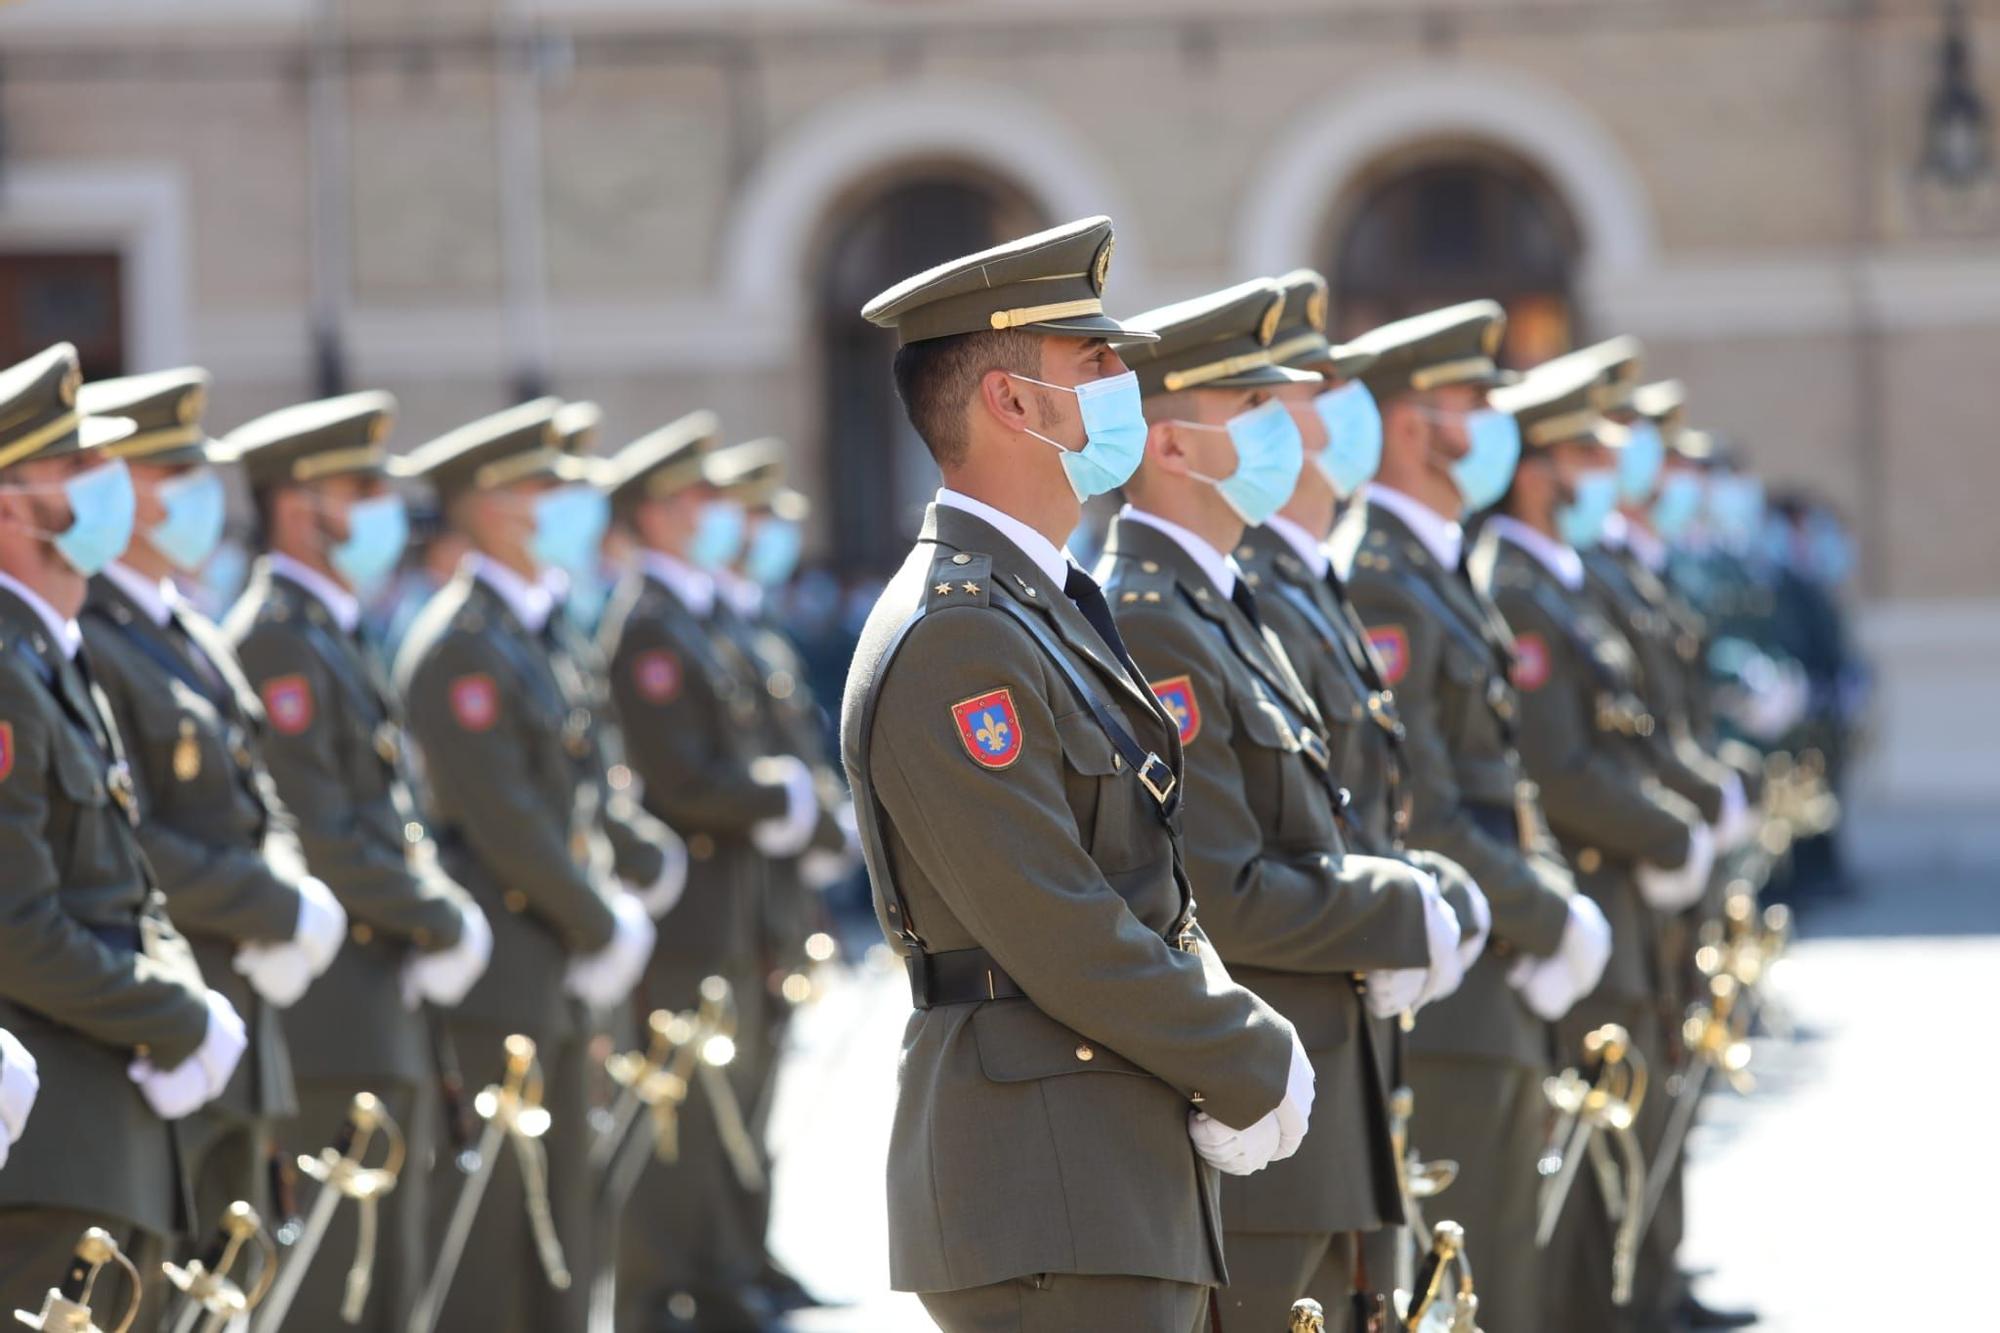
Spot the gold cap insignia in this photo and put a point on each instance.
(1489, 341)
(378, 427)
(1316, 308)
(1100, 267)
(1267, 326)
(72, 380)
(188, 410)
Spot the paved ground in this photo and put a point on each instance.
(1860, 1169)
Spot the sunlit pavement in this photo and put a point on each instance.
(1853, 1187)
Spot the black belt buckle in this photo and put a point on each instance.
(1162, 786)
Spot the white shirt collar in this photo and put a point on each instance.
(1053, 562)
(67, 633)
(1302, 544)
(1443, 538)
(745, 596)
(1221, 570)
(344, 605)
(531, 603)
(155, 597)
(695, 588)
(1560, 560)
(1645, 545)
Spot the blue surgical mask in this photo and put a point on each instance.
(718, 535)
(1487, 469)
(101, 506)
(378, 529)
(1735, 508)
(1678, 505)
(1269, 454)
(1829, 550)
(197, 507)
(774, 551)
(1640, 461)
(1353, 436)
(1114, 434)
(1581, 522)
(589, 592)
(569, 527)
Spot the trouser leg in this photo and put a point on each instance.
(1071, 1303)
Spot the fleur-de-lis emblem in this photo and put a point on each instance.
(1177, 697)
(1178, 711)
(992, 732)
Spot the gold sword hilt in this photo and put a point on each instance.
(1307, 1317)
(207, 1281)
(66, 1308)
(340, 1164)
(1619, 1087)
(1711, 1032)
(516, 1102)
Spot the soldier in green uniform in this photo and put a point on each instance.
(220, 845)
(513, 782)
(1478, 1058)
(1325, 935)
(126, 1036)
(1079, 1063)
(753, 475)
(1639, 849)
(1306, 604)
(688, 702)
(333, 741)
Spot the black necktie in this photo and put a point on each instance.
(1082, 589)
(1246, 602)
(211, 676)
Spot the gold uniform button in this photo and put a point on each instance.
(1196, 1097)
(421, 937)
(701, 846)
(961, 559)
(1083, 1052)
(142, 1051)
(361, 932)
(1150, 566)
(1589, 859)
(514, 901)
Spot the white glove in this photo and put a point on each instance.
(322, 927)
(1471, 946)
(786, 834)
(199, 1079)
(1737, 823)
(20, 1080)
(1550, 986)
(1273, 1138)
(278, 972)
(1678, 890)
(443, 976)
(660, 896)
(605, 978)
(1393, 990)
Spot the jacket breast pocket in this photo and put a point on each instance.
(1463, 680)
(1275, 778)
(79, 816)
(1101, 794)
(1019, 1043)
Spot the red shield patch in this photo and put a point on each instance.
(6, 749)
(989, 728)
(288, 703)
(657, 674)
(1392, 650)
(475, 701)
(1177, 697)
(1531, 662)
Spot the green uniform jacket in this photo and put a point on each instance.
(513, 792)
(1292, 913)
(90, 970)
(1442, 652)
(334, 747)
(1581, 739)
(1047, 1133)
(637, 855)
(688, 712)
(1626, 593)
(224, 855)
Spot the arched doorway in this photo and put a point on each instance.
(880, 474)
(1453, 221)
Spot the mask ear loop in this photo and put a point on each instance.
(1057, 445)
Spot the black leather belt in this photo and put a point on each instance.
(123, 938)
(957, 976)
(1498, 822)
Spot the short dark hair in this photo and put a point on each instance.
(935, 379)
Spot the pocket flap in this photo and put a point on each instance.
(1264, 723)
(1018, 1042)
(1085, 745)
(78, 772)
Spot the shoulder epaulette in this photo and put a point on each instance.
(1139, 582)
(960, 578)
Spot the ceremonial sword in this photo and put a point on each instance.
(66, 1308)
(206, 1281)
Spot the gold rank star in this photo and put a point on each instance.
(942, 589)
(972, 588)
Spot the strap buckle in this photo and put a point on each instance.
(1161, 787)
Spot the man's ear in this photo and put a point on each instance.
(1004, 398)
(1165, 449)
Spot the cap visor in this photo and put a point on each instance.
(1349, 361)
(1097, 326)
(1261, 377)
(97, 432)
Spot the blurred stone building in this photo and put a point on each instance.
(670, 203)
